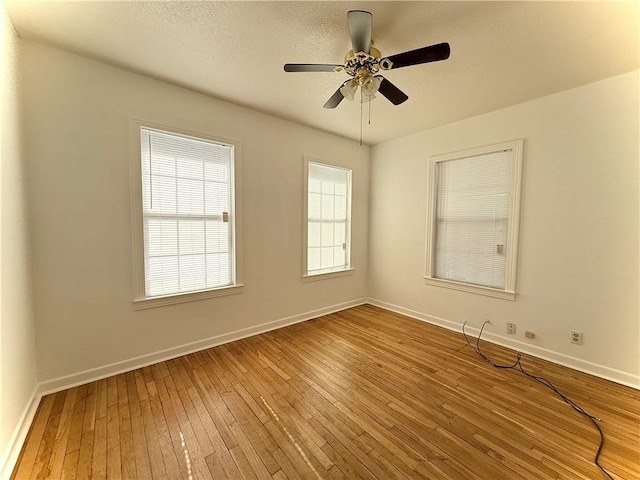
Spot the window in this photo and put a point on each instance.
(473, 219)
(327, 218)
(188, 219)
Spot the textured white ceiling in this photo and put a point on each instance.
(502, 53)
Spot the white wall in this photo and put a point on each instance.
(578, 265)
(77, 115)
(17, 344)
(578, 262)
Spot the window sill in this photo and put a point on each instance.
(477, 289)
(328, 275)
(152, 302)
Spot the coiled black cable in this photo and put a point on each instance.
(518, 367)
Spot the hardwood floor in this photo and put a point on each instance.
(363, 393)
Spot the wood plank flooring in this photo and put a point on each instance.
(363, 393)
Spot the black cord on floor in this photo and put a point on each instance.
(518, 367)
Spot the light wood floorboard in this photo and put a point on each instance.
(363, 393)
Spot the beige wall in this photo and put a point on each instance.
(578, 262)
(17, 346)
(77, 115)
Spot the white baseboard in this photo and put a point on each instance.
(601, 371)
(12, 451)
(91, 375)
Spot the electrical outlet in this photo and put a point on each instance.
(511, 328)
(576, 337)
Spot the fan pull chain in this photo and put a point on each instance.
(361, 121)
(369, 112)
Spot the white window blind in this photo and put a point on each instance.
(328, 212)
(472, 218)
(187, 213)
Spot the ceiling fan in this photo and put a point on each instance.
(364, 62)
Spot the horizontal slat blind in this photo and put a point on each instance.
(328, 216)
(186, 187)
(472, 217)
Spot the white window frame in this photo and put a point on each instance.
(140, 300)
(306, 276)
(509, 292)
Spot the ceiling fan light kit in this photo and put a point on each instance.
(368, 84)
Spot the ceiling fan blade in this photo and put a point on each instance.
(433, 53)
(360, 30)
(335, 99)
(312, 67)
(391, 92)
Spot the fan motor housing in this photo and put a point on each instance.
(374, 52)
(361, 64)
